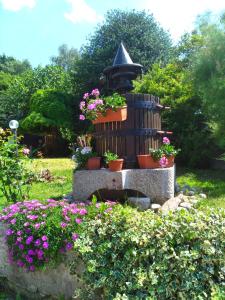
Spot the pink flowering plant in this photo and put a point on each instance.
(163, 153)
(15, 176)
(38, 233)
(93, 104)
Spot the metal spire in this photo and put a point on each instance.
(122, 57)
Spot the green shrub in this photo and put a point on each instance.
(15, 177)
(132, 255)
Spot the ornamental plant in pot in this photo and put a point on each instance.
(104, 109)
(115, 164)
(159, 158)
(84, 157)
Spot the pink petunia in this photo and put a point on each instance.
(78, 221)
(21, 246)
(83, 212)
(37, 242)
(44, 238)
(82, 105)
(99, 102)
(91, 106)
(82, 117)
(29, 240)
(95, 92)
(45, 245)
(86, 95)
(9, 231)
(69, 246)
(29, 259)
(166, 140)
(31, 252)
(37, 226)
(32, 268)
(75, 236)
(163, 162)
(63, 224)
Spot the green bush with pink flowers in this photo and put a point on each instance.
(40, 233)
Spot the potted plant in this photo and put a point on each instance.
(104, 109)
(84, 157)
(115, 164)
(158, 158)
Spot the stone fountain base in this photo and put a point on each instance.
(156, 184)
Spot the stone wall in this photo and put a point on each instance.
(156, 184)
(48, 284)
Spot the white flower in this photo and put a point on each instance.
(74, 157)
(78, 149)
(86, 150)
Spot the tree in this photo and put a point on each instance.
(66, 58)
(50, 110)
(9, 64)
(189, 125)
(209, 75)
(15, 100)
(144, 39)
(5, 80)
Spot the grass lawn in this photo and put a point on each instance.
(212, 182)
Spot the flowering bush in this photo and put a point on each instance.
(15, 177)
(92, 105)
(83, 151)
(164, 152)
(39, 233)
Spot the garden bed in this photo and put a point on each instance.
(118, 252)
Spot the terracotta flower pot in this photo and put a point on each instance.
(111, 116)
(94, 163)
(170, 161)
(145, 161)
(116, 165)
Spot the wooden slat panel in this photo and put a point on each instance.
(130, 146)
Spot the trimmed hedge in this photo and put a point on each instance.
(133, 255)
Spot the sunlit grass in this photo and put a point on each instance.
(211, 182)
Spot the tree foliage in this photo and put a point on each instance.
(66, 58)
(9, 64)
(144, 39)
(209, 75)
(190, 130)
(15, 100)
(50, 110)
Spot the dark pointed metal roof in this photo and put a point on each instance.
(122, 56)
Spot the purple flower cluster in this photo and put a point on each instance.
(37, 232)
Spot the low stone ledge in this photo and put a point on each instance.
(156, 184)
(51, 283)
